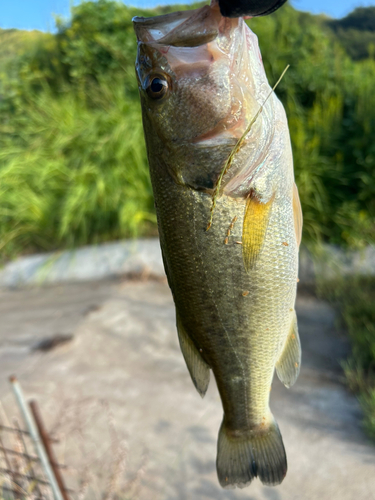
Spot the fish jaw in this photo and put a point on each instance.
(215, 84)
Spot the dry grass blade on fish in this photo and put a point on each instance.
(228, 163)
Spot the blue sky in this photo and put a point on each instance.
(38, 14)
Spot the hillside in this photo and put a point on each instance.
(356, 32)
(15, 42)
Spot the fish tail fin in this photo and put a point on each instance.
(257, 453)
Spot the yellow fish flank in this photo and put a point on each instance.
(201, 81)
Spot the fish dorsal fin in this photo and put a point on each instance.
(297, 214)
(254, 230)
(289, 363)
(198, 368)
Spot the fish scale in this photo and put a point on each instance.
(213, 304)
(234, 303)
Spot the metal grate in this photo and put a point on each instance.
(28, 466)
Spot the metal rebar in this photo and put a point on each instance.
(39, 449)
(49, 450)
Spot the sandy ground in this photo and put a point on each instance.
(123, 371)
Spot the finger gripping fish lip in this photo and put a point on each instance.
(252, 8)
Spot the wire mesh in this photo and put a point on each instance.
(21, 473)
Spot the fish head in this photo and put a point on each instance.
(201, 80)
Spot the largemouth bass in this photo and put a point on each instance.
(201, 82)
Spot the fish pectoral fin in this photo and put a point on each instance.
(198, 368)
(254, 230)
(289, 363)
(297, 214)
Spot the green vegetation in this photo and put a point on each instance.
(354, 299)
(73, 167)
(14, 42)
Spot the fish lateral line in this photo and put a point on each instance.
(237, 147)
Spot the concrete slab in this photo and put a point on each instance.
(118, 258)
(125, 357)
(92, 263)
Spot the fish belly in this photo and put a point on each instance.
(238, 321)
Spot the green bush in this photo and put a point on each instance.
(71, 174)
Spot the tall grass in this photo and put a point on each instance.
(72, 172)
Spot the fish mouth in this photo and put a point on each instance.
(190, 28)
(217, 83)
(181, 31)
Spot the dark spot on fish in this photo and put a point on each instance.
(203, 182)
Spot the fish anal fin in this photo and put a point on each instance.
(254, 230)
(297, 214)
(198, 368)
(289, 363)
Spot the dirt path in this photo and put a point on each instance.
(125, 352)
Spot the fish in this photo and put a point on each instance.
(201, 81)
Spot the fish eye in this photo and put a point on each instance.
(157, 86)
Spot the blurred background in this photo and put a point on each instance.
(68, 98)
(73, 172)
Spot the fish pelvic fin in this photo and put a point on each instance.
(297, 214)
(254, 230)
(289, 363)
(198, 368)
(243, 456)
